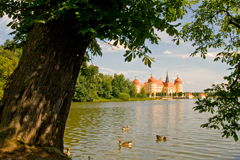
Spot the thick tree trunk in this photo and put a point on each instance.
(38, 95)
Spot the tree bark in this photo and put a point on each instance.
(38, 94)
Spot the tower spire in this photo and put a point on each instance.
(167, 79)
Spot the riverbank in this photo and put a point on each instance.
(119, 100)
(20, 151)
(140, 99)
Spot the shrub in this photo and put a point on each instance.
(124, 96)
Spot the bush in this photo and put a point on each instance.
(124, 96)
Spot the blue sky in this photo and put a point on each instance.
(196, 73)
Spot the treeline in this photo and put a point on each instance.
(92, 85)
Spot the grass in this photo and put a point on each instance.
(119, 100)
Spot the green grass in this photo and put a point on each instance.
(119, 100)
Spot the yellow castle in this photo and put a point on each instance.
(157, 87)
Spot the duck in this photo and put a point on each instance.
(68, 152)
(161, 137)
(126, 128)
(127, 143)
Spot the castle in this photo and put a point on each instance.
(155, 87)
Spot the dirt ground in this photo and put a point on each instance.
(25, 152)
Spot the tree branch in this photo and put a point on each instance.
(237, 77)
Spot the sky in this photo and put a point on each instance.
(196, 73)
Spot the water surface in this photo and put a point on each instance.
(92, 131)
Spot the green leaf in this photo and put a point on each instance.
(127, 53)
(115, 43)
(41, 21)
(1, 14)
(177, 43)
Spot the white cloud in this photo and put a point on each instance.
(167, 52)
(105, 70)
(211, 54)
(197, 79)
(182, 56)
(126, 73)
(131, 72)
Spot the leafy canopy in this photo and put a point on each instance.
(217, 25)
(124, 22)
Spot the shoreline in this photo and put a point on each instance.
(137, 99)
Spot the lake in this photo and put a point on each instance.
(92, 130)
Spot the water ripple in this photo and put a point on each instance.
(92, 131)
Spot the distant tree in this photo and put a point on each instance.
(115, 91)
(105, 87)
(84, 91)
(132, 89)
(87, 84)
(119, 85)
(142, 93)
(180, 94)
(14, 47)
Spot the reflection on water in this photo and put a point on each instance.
(92, 131)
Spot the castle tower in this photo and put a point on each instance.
(178, 84)
(151, 86)
(167, 79)
(137, 84)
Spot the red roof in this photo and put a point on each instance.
(142, 85)
(151, 80)
(159, 82)
(136, 82)
(169, 84)
(178, 80)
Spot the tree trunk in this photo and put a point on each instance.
(38, 94)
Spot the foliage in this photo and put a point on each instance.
(125, 22)
(14, 47)
(105, 87)
(8, 62)
(86, 85)
(132, 89)
(142, 93)
(179, 94)
(84, 91)
(92, 85)
(119, 85)
(217, 25)
(124, 96)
